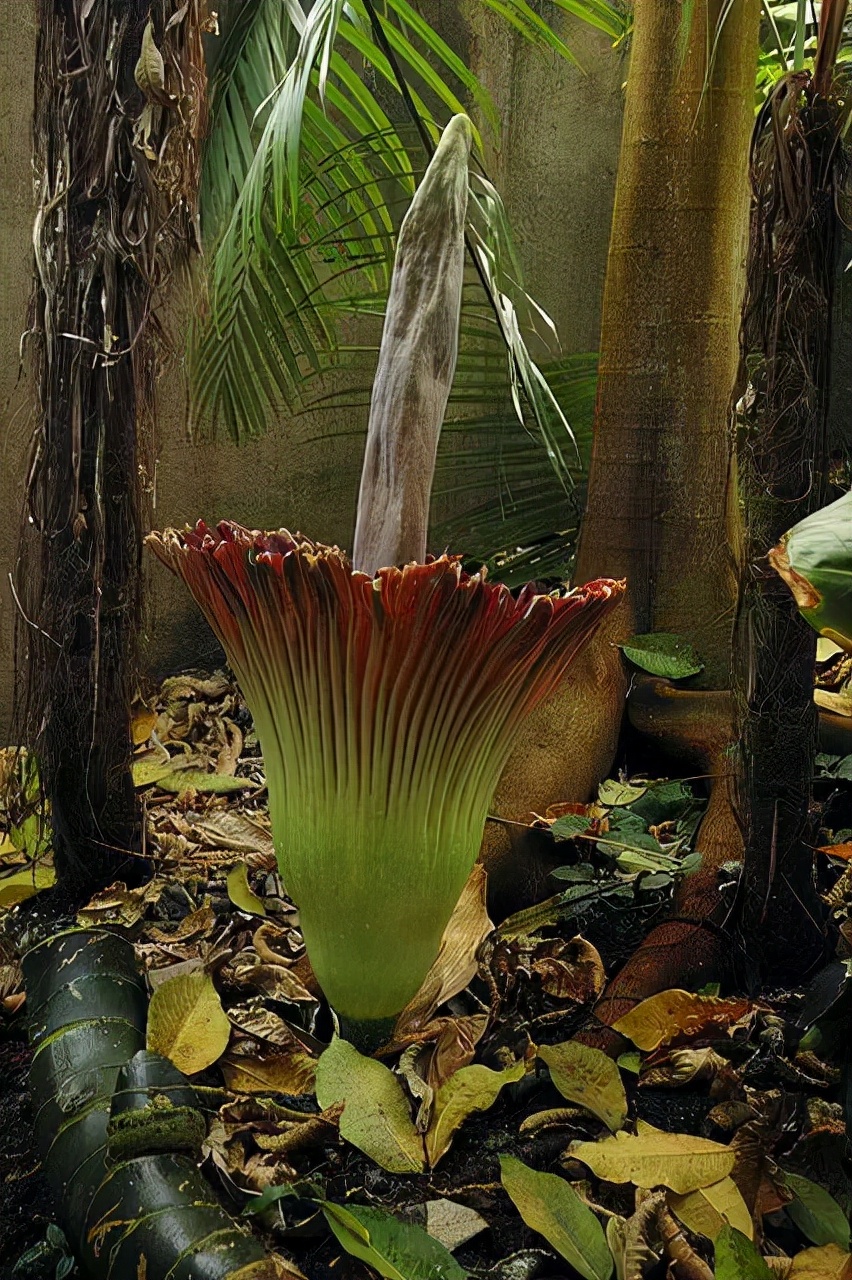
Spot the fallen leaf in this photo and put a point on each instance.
(26, 883)
(292, 1071)
(229, 829)
(677, 1013)
(376, 1117)
(588, 1077)
(450, 1223)
(613, 793)
(826, 1263)
(240, 894)
(186, 1022)
(397, 1250)
(181, 780)
(707, 1210)
(837, 850)
(471, 1089)
(196, 922)
(550, 1205)
(276, 981)
(569, 970)
(142, 724)
(455, 963)
(654, 1158)
(737, 1258)
(815, 1212)
(455, 1047)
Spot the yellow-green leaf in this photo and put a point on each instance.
(671, 1013)
(829, 1262)
(376, 1117)
(707, 1210)
(26, 883)
(588, 1077)
(186, 1022)
(550, 1205)
(240, 893)
(653, 1158)
(469, 1089)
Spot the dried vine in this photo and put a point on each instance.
(120, 93)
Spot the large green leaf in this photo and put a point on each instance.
(550, 1205)
(397, 1250)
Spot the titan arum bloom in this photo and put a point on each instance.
(386, 699)
(815, 560)
(386, 708)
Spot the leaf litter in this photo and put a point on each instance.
(485, 1138)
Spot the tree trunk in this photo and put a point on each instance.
(783, 463)
(116, 163)
(658, 510)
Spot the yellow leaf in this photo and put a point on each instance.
(240, 893)
(706, 1210)
(588, 1077)
(829, 1262)
(676, 1013)
(186, 1022)
(470, 1089)
(376, 1117)
(26, 883)
(142, 725)
(653, 1158)
(293, 1071)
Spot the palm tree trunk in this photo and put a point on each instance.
(119, 97)
(658, 502)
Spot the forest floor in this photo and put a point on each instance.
(733, 1108)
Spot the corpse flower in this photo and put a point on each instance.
(386, 708)
(815, 560)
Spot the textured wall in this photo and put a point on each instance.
(555, 165)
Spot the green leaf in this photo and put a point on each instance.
(376, 1116)
(570, 825)
(397, 1250)
(240, 893)
(550, 1205)
(469, 1089)
(588, 1077)
(611, 792)
(738, 1259)
(26, 883)
(663, 654)
(816, 1213)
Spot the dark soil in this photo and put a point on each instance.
(26, 1203)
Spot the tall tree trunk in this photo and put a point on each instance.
(783, 462)
(119, 98)
(658, 510)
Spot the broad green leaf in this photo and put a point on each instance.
(376, 1116)
(654, 1158)
(738, 1259)
(588, 1077)
(816, 1213)
(469, 1089)
(709, 1209)
(630, 1061)
(186, 1022)
(397, 1250)
(612, 792)
(240, 893)
(569, 825)
(26, 883)
(663, 654)
(677, 1013)
(148, 771)
(550, 1205)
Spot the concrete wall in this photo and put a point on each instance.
(554, 163)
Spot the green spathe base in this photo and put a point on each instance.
(367, 1034)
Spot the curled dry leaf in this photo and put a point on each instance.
(290, 1070)
(275, 981)
(653, 1158)
(571, 970)
(197, 923)
(588, 1077)
(456, 963)
(186, 1022)
(674, 1013)
(455, 1047)
(376, 1117)
(471, 1089)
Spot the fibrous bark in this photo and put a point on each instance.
(119, 100)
